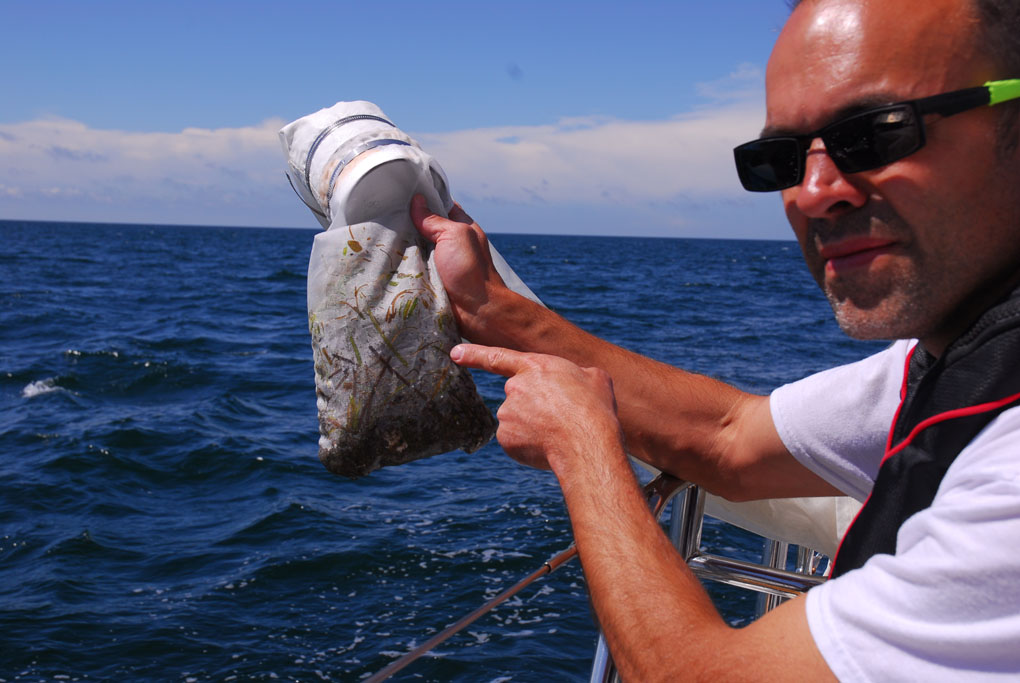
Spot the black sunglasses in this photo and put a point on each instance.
(861, 142)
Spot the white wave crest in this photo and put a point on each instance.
(43, 386)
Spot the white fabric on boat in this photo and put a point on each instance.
(816, 523)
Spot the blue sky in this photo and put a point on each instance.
(621, 115)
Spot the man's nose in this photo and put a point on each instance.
(825, 190)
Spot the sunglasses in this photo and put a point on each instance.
(866, 140)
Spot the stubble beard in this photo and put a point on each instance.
(888, 300)
(881, 310)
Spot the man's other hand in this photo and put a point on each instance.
(464, 263)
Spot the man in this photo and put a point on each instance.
(916, 239)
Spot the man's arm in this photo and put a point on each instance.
(659, 622)
(689, 425)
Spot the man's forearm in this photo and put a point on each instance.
(632, 572)
(658, 620)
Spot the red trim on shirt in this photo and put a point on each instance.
(903, 398)
(949, 415)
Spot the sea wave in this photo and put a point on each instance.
(40, 387)
(164, 515)
(77, 353)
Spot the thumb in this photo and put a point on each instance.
(430, 224)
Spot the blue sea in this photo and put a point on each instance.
(164, 515)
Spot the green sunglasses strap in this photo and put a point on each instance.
(1002, 91)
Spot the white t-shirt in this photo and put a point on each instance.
(946, 606)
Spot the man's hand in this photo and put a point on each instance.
(464, 263)
(557, 415)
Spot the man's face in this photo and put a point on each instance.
(919, 247)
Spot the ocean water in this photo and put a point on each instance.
(164, 516)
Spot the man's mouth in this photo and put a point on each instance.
(853, 254)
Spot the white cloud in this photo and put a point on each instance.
(745, 83)
(52, 166)
(598, 161)
(64, 170)
(65, 151)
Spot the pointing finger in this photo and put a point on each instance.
(489, 358)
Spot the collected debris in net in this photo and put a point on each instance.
(381, 323)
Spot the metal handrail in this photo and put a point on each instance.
(780, 583)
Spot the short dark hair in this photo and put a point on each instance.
(999, 33)
(1000, 37)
